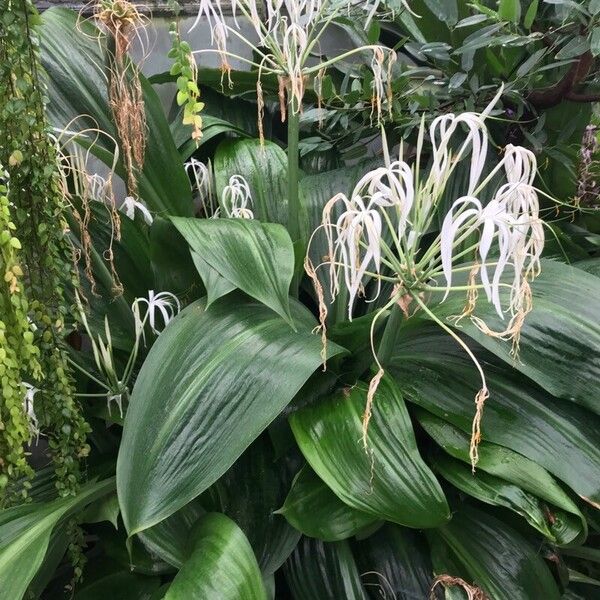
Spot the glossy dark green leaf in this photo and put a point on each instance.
(256, 257)
(120, 585)
(530, 484)
(103, 509)
(216, 285)
(395, 563)
(497, 558)
(264, 167)
(319, 570)
(168, 539)
(312, 508)
(250, 493)
(77, 86)
(213, 380)
(558, 343)
(25, 534)
(388, 479)
(221, 565)
(558, 526)
(435, 373)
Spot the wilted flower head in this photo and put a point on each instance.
(236, 198)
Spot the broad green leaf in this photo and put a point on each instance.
(388, 479)
(557, 525)
(558, 343)
(258, 258)
(497, 558)
(510, 10)
(575, 47)
(25, 534)
(318, 570)
(212, 382)
(221, 565)
(312, 508)
(77, 88)
(216, 285)
(435, 373)
(168, 539)
(395, 562)
(250, 493)
(264, 167)
(566, 526)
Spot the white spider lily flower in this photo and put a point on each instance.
(236, 198)
(286, 31)
(202, 184)
(390, 186)
(165, 304)
(354, 244)
(32, 420)
(130, 205)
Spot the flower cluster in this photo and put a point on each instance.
(377, 234)
(288, 32)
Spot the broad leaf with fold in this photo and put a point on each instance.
(257, 258)
(387, 478)
(212, 382)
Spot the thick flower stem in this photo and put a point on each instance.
(293, 126)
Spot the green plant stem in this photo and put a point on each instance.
(293, 127)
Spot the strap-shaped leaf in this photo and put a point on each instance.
(318, 570)
(221, 564)
(507, 478)
(312, 508)
(77, 87)
(434, 372)
(557, 525)
(257, 258)
(497, 558)
(560, 336)
(213, 380)
(25, 534)
(389, 479)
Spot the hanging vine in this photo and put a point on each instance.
(33, 211)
